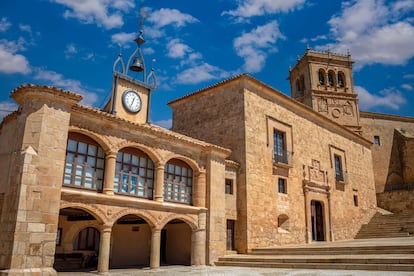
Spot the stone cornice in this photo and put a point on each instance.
(79, 195)
(381, 116)
(148, 129)
(28, 91)
(232, 164)
(298, 108)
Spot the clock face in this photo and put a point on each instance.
(131, 101)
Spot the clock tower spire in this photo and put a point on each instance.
(130, 97)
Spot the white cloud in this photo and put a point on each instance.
(374, 32)
(257, 44)
(70, 51)
(4, 24)
(407, 86)
(105, 13)
(389, 98)
(408, 76)
(200, 73)
(123, 39)
(10, 61)
(25, 28)
(163, 17)
(177, 49)
(164, 123)
(6, 108)
(58, 80)
(249, 8)
(313, 39)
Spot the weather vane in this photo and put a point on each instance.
(136, 62)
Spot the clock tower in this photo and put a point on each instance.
(130, 97)
(324, 82)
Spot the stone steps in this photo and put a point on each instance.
(342, 250)
(335, 266)
(388, 225)
(372, 254)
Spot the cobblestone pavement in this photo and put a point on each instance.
(237, 271)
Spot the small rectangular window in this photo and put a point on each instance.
(355, 200)
(377, 140)
(339, 175)
(229, 186)
(281, 186)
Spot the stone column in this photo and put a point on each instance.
(155, 248)
(198, 247)
(308, 216)
(199, 241)
(110, 163)
(199, 189)
(104, 249)
(159, 183)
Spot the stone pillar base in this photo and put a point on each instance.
(43, 271)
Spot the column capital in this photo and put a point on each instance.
(106, 228)
(159, 165)
(111, 154)
(155, 230)
(200, 173)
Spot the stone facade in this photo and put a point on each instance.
(392, 155)
(35, 204)
(244, 166)
(311, 140)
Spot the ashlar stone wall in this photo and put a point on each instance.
(387, 153)
(241, 114)
(32, 189)
(313, 144)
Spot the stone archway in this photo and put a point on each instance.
(175, 247)
(130, 242)
(77, 240)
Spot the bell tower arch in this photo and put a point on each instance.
(130, 97)
(324, 82)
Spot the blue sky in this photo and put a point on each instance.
(72, 44)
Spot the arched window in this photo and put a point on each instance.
(321, 76)
(302, 84)
(87, 239)
(331, 78)
(178, 182)
(85, 161)
(134, 173)
(341, 79)
(298, 86)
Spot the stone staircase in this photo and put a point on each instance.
(395, 254)
(388, 226)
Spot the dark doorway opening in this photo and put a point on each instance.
(163, 251)
(175, 245)
(230, 245)
(317, 219)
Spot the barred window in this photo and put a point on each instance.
(85, 161)
(87, 239)
(134, 173)
(178, 182)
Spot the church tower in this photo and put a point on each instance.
(323, 81)
(130, 97)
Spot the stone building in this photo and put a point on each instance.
(243, 166)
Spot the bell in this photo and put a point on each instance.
(136, 66)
